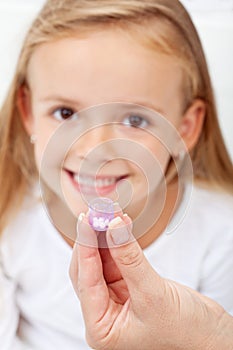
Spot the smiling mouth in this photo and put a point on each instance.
(100, 184)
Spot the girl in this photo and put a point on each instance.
(79, 54)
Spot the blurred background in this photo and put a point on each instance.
(214, 22)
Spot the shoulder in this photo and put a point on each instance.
(216, 230)
(207, 221)
(203, 218)
(212, 208)
(204, 211)
(23, 223)
(24, 235)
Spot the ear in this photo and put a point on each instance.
(192, 122)
(25, 110)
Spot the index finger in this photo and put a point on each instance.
(87, 274)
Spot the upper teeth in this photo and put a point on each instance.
(89, 181)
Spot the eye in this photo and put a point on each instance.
(63, 113)
(136, 121)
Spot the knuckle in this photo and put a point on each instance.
(131, 257)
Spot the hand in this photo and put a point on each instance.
(126, 305)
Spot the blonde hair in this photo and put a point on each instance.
(166, 25)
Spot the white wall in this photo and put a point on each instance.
(15, 18)
(214, 21)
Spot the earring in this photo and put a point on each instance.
(33, 138)
(180, 156)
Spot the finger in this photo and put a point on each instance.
(90, 283)
(84, 239)
(73, 270)
(111, 271)
(138, 274)
(102, 243)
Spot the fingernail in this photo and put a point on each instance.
(118, 231)
(117, 208)
(81, 217)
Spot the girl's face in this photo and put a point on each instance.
(71, 74)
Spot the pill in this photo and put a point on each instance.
(101, 212)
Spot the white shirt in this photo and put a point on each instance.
(39, 309)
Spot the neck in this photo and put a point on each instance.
(171, 204)
(172, 201)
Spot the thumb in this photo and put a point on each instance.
(135, 269)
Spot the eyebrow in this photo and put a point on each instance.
(148, 104)
(57, 98)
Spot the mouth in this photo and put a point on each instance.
(101, 185)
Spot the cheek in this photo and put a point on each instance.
(161, 154)
(149, 172)
(44, 131)
(153, 155)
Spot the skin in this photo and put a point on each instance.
(127, 305)
(116, 286)
(81, 75)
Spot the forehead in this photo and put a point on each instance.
(104, 66)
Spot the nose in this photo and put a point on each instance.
(95, 145)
